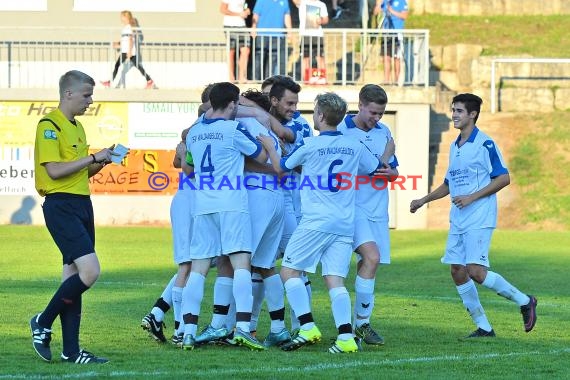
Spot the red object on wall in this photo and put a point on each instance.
(315, 76)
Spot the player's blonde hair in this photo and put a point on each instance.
(130, 18)
(332, 106)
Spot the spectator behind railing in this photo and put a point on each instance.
(270, 47)
(187, 64)
(130, 51)
(395, 13)
(235, 12)
(312, 15)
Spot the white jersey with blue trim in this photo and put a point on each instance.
(254, 179)
(306, 128)
(218, 147)
(294, 194)
(297, 129)
(472, 166)
(327, 204)
(370, 201)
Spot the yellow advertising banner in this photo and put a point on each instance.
(146, 170)
(142, 172)
(105, 123)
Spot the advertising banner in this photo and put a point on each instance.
(150, 130)
(142, 172)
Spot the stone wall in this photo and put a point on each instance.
(533, 87)
(490, 7)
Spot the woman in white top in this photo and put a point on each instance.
(130, 52)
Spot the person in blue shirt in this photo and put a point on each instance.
(395, 13)
(475, 174)
(270, 46)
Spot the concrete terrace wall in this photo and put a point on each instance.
(490, 7)
(534, 87)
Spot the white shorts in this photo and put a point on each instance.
(307, 248)
(290, 221)
(266, 212)
(181, 221)
(220, 233)
(296, 200)
(366, 230)
(471, 247)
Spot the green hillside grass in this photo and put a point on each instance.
(417, 311)
(513, 36)
(541, 166)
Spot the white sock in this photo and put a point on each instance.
(166, 297)
(294, 320)
(158, 313)
(258, 291)
(167, 292)
(364, 302)
(231, 317)
(340, 304)
(243, 296)
(275, 296)
(223, 287)
(307, 282)
(470, 297)
(177, 307)
(298, 299)
(192, 295)
(502, 287)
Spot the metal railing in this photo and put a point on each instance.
(497, 61)
(350, 57)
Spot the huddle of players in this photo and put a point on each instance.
(244, 230)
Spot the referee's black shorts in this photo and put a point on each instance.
(70, 221)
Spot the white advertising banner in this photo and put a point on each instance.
(158, 125)
(17, 177)
(176, 6)
(24, 5)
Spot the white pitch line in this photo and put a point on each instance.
(292, 369)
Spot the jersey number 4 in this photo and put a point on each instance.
(206, 166)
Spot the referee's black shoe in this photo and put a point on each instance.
(41, 338)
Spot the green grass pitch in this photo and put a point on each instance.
(417, 311)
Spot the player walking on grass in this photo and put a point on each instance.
(475, 174)
(222, 223)
(320, 237)
(63, 167)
